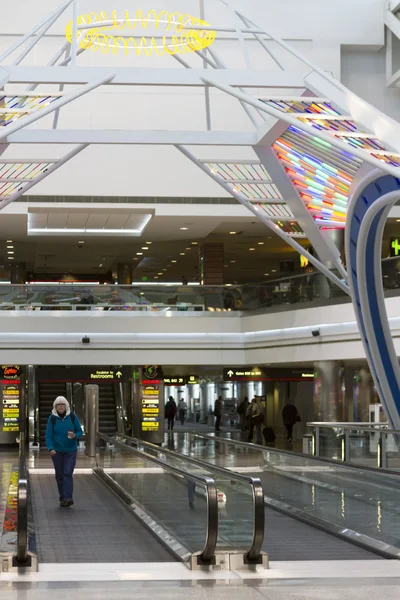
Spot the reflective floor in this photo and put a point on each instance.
(192, 590)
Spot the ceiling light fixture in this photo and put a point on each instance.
(233, 261)
(189, 248)
(184, 228)
(195, 243)
(261, 243)
(10, 251)
(174, 261)
(232, 233)
(266, 274)
(149, 243)
(139, 253)
(81, 242)
(273, 270)
(182, 253)
(10, 247)
(10, 258)
(145, 248)
(100, 265)
(164, 269)
(9, 241)
(251, 249)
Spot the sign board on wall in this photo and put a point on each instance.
(150, 406)
(267, 374)
(10, 397)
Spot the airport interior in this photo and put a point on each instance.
(200, 300)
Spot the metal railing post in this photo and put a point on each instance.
(316, 442)
(346, 454)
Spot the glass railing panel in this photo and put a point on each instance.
(163, 495)
(363, 447)
(235, 502)
(351, 499)
(392, 447)
(331, 443)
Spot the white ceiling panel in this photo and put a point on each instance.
(97, 220)
(57, 220)
(77, 220)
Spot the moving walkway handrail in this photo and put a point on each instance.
(208, 552)
(369, 427)
(322, 459)
(22, 506)
(256, 486)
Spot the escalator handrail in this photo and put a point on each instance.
(256, 485)
(22, 504)
(208, 552)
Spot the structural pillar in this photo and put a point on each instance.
(18, 273)
(124, 274)
(211, 257)
(329, 401)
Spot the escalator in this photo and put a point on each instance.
(48, 392)
(107, 408)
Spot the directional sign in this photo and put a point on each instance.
(118, 374)
(267, 374)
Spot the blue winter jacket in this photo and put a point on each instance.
(58, 439)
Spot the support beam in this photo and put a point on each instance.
(43, 175)
(161, 77)
(112, 136)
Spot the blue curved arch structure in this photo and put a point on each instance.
(368, 210)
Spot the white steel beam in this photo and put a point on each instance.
(25, 121)
(43, 175)
(268, 222)
(168, 77)
(112, 136)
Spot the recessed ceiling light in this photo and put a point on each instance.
(155, 276)
(145, 248)
(273, 270)
(10, 251)
(225, 265)
(9, 241)
(135, 259)
(174, 261)
(188, 248)
(261, 243)
(164, 269)
(149, 243)
(10, 247)
(81, 242)
(160, 273)
(10, 258)
(139, 253)
(233, 261)
(184, 228)
(266, 274)
(232, 233)
(100, 265)
(182, 253)
(195, 243)
(251, 249)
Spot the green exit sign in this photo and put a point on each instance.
(395, 247)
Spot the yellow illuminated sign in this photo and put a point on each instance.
(176, 33)
(303, 261)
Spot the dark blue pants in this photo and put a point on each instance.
(64, 465)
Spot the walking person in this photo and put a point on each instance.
(290, 417)
(241, 411)
(170, 412)
(182, 411)
(62, 434)
(218, 413)
(256, 415)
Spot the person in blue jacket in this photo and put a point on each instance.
(62, 434)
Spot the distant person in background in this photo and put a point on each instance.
(218, 413)
(184, 280)
(256, 415)
(242, 411)
(170, 412)
(182, 411)
(290, 417)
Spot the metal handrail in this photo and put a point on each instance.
(22, 506)
(321, 459)
(208, 552)
(253, 554)
(378, 427)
